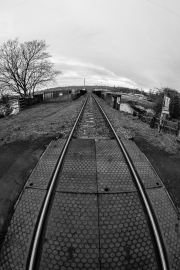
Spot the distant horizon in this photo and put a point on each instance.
(155, 89)
(92, 86)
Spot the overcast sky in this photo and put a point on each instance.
(132, 43)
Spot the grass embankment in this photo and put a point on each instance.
(23, 138)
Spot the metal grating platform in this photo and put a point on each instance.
(148, 176)
(133, 150)
(42, 173)
(85, 232)
(88, 229)
(82, 147)
(112, 171)
(108, 147)
(169, 224)
(125, 241)
(146, 172)
(72, 240)
(77, 182)
(18, 238)
(78, 172)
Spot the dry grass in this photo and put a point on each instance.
(41, 120)
(131, 126)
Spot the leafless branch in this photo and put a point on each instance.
(25, 66)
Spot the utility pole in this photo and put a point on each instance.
(84, 84)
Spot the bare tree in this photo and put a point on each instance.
(25, 66)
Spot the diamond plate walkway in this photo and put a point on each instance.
(97, 220)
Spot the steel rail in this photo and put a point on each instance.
(164, 263)
(37, 234)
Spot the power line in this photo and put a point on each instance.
(13, 6)
(164, 8)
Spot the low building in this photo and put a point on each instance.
(53, 94)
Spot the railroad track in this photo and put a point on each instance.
(87, 206)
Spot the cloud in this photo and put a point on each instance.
(76, 71)
(125, 43)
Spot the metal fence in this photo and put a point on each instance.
(168, 126)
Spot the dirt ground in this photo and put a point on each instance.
(24, 137)
(166, 165)
(17, 160)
